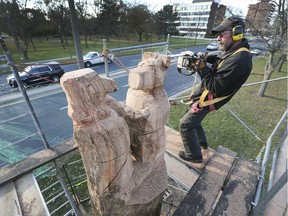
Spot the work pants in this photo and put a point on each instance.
(192, 132)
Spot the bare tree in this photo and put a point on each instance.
(273, 32)
(58, 15)
(84, 18)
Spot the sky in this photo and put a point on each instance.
(156, 5)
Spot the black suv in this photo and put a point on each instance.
(37, 74)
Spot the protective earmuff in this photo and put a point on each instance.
(237, 33)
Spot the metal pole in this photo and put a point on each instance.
(66, 191)
(266, 81)
(270, 195)
(265, 159)
(167, 46)
(76, 36)
(105, 58)
(72, 188)
(241, 122)
(23, 91)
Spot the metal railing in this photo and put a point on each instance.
(272, 190)
(138, 47)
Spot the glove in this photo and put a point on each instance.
(199, 64)
(202, 55)
(211, 59)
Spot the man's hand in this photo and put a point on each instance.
(202, 55)
(199, 64)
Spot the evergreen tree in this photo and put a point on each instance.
(166, 21)
(139, 19)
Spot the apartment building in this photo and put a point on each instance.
(259, 15)
(199, 17)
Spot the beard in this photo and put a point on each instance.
(225, 46)
(222, 46)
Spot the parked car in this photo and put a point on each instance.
(255, 51)
(36, 74)
(212, 46)
(92, 58)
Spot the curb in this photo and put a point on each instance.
(45, 90)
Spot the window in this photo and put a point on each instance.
(44, 68)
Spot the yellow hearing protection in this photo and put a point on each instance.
(237, 33)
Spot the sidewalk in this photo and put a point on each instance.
(17, 95)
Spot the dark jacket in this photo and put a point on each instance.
(229, 78)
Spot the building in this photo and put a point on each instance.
(198, 18)
(259, 15)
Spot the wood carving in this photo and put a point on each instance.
(106, 130)
(147, 108)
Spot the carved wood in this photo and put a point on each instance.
(106, 130)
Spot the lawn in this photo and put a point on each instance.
(51, 48)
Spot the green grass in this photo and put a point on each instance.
(260, 114)
(52, 48)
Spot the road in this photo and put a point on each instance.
(19, 137)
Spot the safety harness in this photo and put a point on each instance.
(210, 101)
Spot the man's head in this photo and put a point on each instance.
(228, 32)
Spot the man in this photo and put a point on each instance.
(221, 77)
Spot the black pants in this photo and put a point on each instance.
(192, 132)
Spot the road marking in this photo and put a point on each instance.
(13, 118)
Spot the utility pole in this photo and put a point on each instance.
(76, 36)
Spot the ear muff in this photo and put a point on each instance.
(237, 33)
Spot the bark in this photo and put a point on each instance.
(267, 74)
(280, 62)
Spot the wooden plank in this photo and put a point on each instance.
(202, 196)
(178, 171)
(238, 194)
(9, 201)
(174, 145)
(13, 171)
(30, 197)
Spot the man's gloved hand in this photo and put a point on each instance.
(202, 55)
(198, 64)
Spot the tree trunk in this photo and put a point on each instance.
(32, 42)
(86, 40)
(18, 46)
(140, 37)
(62, 41)
(263, 86)
(280, 62)
(269, 69)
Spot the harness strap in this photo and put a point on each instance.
(210, 100)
